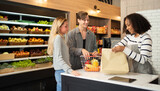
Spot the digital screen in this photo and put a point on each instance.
(122, 79)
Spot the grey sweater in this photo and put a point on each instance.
(75, 44)
(61, 55)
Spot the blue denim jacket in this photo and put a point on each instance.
(75, 44)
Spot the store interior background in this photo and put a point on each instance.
(119, 8)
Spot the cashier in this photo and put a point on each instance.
(81, 41)
(137, 44)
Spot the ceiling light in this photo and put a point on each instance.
(96, 9)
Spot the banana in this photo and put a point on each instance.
(89, 66)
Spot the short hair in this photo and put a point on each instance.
(139, 23)
(81, 15)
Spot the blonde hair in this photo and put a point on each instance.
(58, 22)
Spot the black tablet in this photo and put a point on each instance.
(122, 79)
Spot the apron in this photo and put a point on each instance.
(137, 67)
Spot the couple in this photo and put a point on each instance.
(66, 56)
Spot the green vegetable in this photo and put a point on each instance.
(43, 60)
(25, 63)
(49, 59)
(42, 22)
(5, 65)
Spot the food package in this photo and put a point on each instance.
(113, 63)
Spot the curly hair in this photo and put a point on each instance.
(139, 23)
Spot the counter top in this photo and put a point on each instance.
(142, 80)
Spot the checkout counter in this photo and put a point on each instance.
(97, 81)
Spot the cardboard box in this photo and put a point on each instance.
(43, 65)
(6, 70)
(6, 56)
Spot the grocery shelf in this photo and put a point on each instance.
(29, 70)
(8, 34)
(13, 13)
(38, 57)
(11, 22)
(34, 24)
(21, 23)
(17, 59)
(23, 46)
(37, 35)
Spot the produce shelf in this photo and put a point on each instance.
(15, 23)
(21, 23)
(13, 13)
(7, 34)
(18, 72)
(34, 24)
(23, 46)
(17, 59)
(37, 35)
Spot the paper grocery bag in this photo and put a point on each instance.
(113, 63)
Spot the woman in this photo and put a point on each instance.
(81, 41)
(137, 44)
(59, 49)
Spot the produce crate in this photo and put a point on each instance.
(45, 42)
(19, 31)
(17, 43)
(23, 68)
(6, 70)
(21, 56)
(3, 43)
(43, 65)
(3, 19)
(46, 32)
(4, 31)
(7, 56)
(36, 54)
(91, 64)
(36, 32)
(35, 43)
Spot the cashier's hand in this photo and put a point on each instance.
(85, 54)
(75, 73)
(95, 53)
(118, 49)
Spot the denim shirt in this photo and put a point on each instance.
(75, 44)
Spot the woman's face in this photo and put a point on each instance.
(64, 28)
(84, 23)
(129, 26)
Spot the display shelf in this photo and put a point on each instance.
(24, 71)
(44, 25)
(26, 24)
(39, 35)
(17, 59)
(23, 46)
(38, 16)
(15, 23)
(39, 57)
(36, 35)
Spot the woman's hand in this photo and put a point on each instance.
(85, 54)
(95, 53)
(75, 73)
(118, 49)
